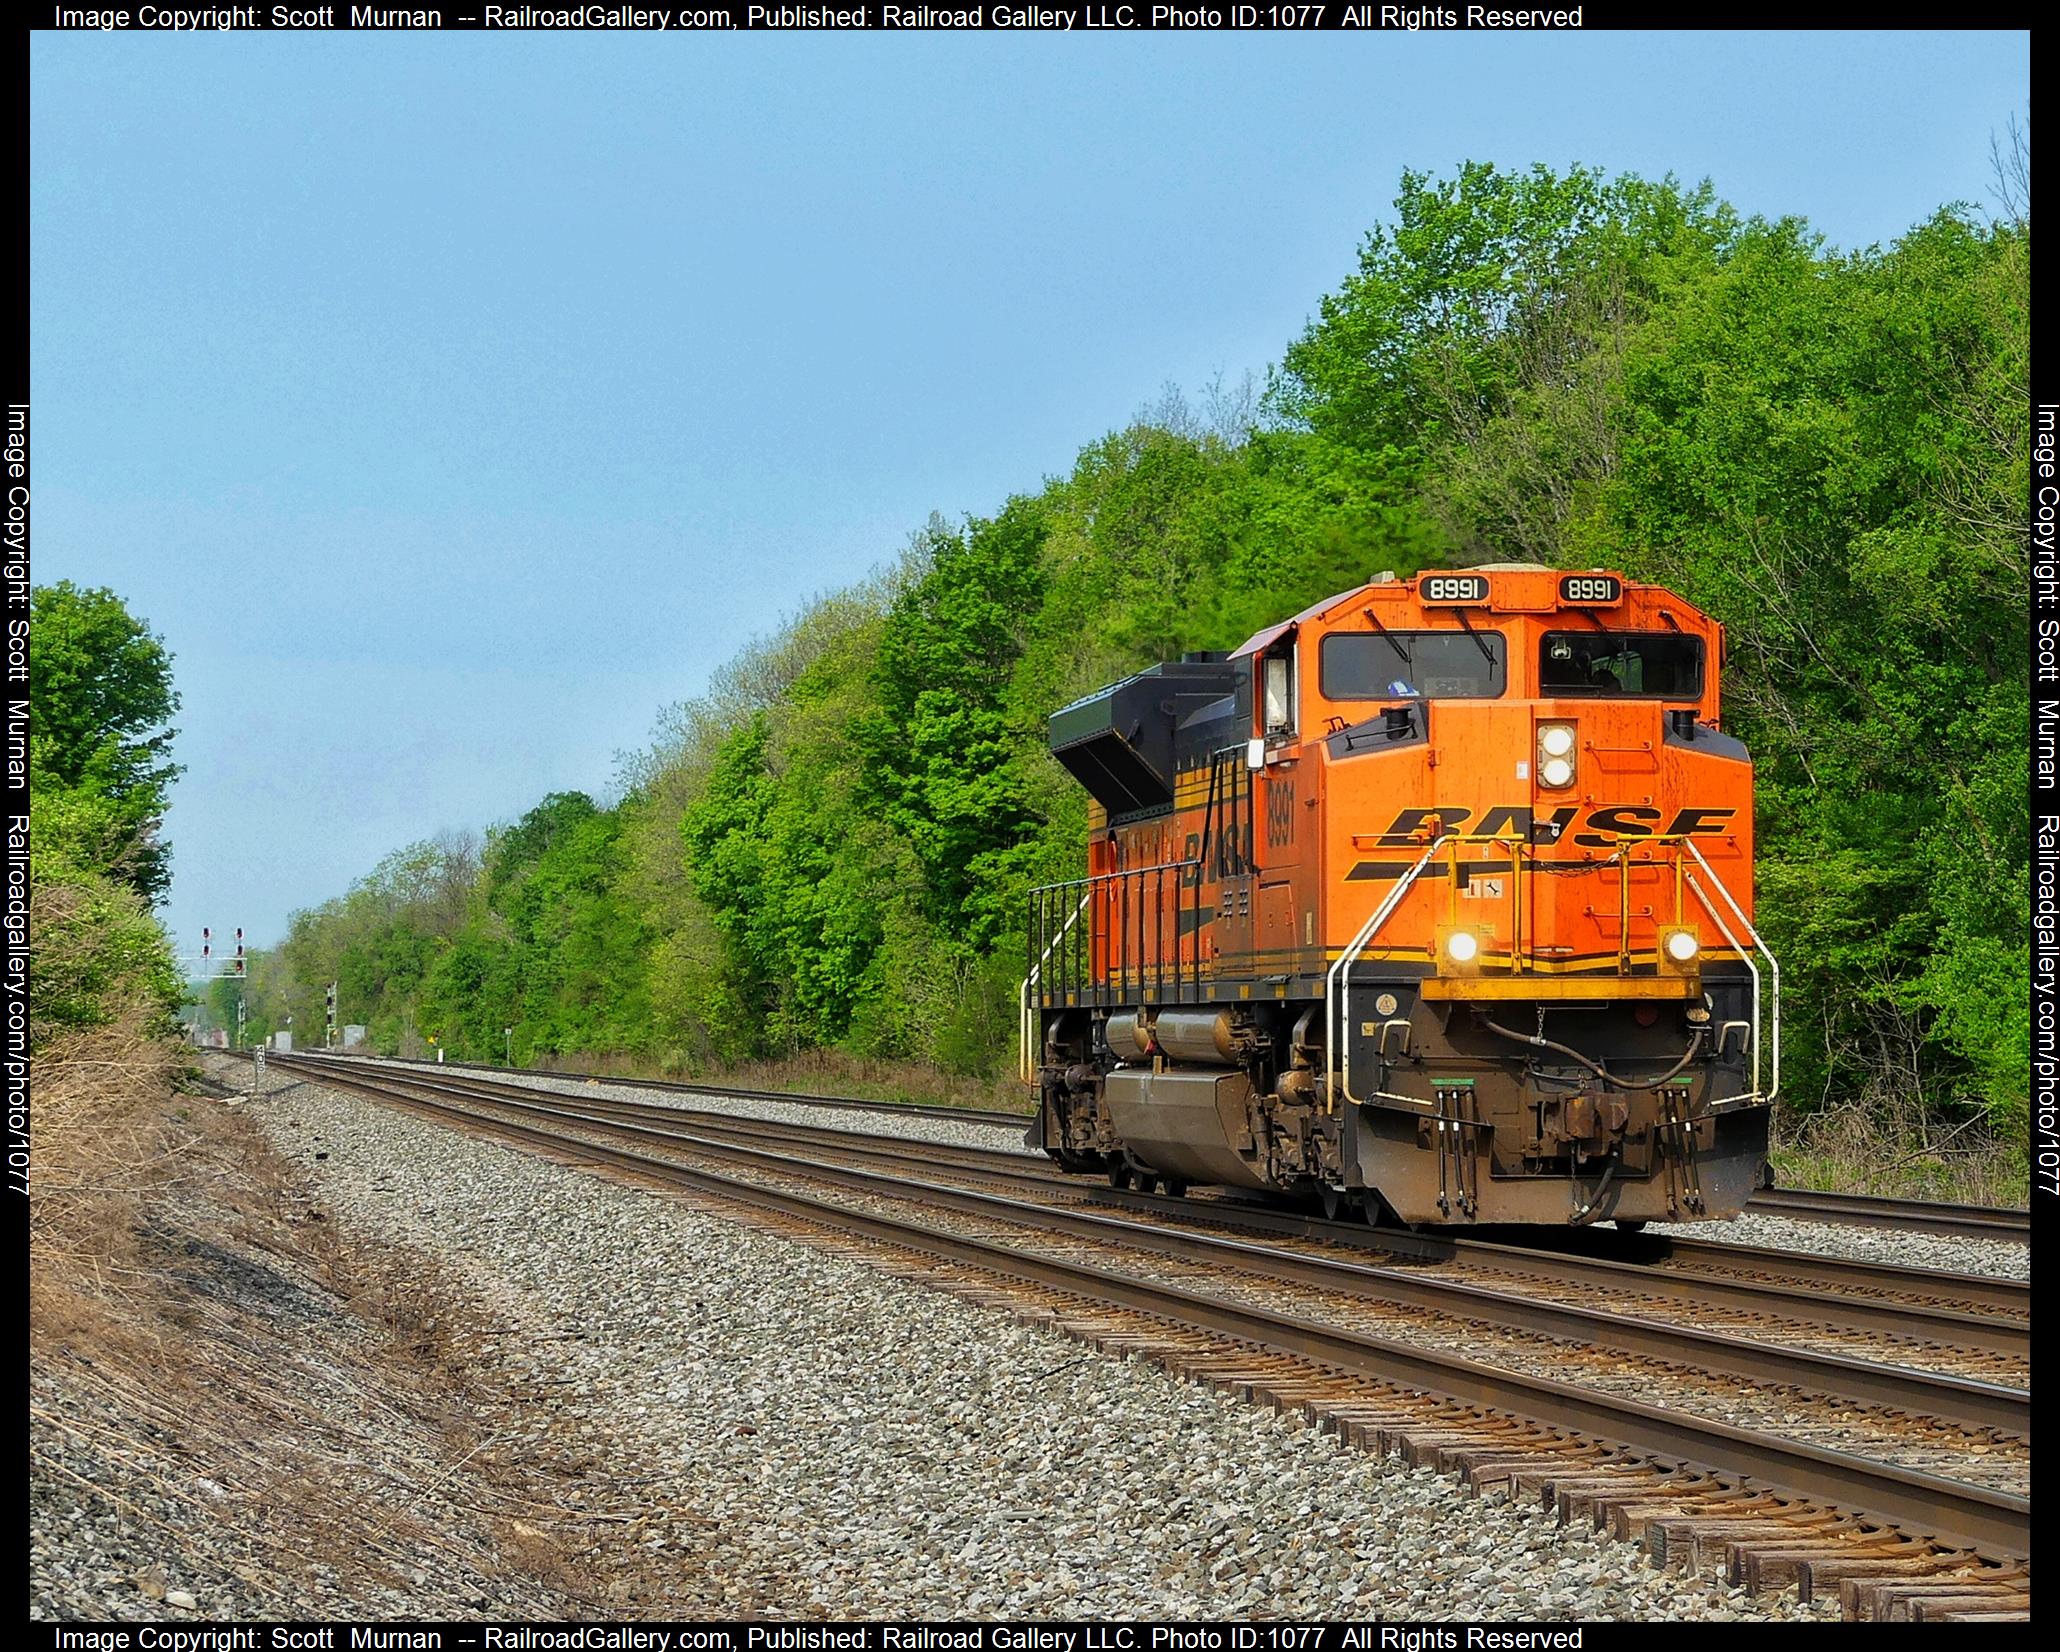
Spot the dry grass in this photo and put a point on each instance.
(291, 1416)
(1861, 1150)
(101, 1149)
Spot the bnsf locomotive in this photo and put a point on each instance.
(1435, 900)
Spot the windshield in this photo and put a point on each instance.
(1418, 665)
(1665, 665)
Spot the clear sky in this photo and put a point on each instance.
(451, 403)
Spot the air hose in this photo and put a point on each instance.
(1596, 1067)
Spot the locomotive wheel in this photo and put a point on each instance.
(1121, 1176)
(1625, 1226)
(1332, 1200)
(1173, 1187)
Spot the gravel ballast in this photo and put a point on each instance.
(813, 1438)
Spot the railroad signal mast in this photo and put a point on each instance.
(234, 967)
(329, 1028)
(229, 968)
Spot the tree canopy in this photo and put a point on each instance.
(100, 696)
(100, 700)
(1823, 448)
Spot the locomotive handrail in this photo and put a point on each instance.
(1333, 998)
(1123, 877)
(1773, 975)
(1026, 1069)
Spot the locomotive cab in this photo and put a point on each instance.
(1436, 897)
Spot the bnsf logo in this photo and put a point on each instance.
(1602, 826)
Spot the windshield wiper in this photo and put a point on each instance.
(1479, 641)
(1387, 636)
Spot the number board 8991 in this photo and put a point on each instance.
(1466, 589)
(1591, 590)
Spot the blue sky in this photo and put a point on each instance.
(451, 403)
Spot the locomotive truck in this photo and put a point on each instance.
(1434, 901)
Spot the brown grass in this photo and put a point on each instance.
(101, 1148)
(1863, 1150)
(306, 1403)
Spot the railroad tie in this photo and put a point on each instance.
(1782, 1565)
(1814, 1574)
(1931, 1608)
(1704, 1544)
(1490, 1469)
(1672, 1538)
(1359, 1423)
(1737, 1558)
(1423, 1447)
(1576, 1497)
(1881, 1600)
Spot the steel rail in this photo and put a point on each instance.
(1806, 1301)
(1919, 1503)
(1876, 1211)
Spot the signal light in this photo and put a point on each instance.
(206, 943)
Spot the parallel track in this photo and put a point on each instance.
(1957, 1310)
(1881, 1295)
(1919, 1502)
(1800, 1204)
(1915, 1215)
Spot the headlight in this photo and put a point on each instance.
(1461, 947)
(1556, 755)
(1682, 945)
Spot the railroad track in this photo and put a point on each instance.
(1303, 1327)
(1869, 1210)
(1919, 1308)
(1801, 1204)
(1885, 1295)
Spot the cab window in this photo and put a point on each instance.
(1277, 680)
(1655, 665)
(1414, 665)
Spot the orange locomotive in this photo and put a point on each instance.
(1436, 898)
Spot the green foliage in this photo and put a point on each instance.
(1823, 449)
(100, 693)
(99, 954)
(100, 689)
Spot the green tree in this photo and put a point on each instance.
(100, 697)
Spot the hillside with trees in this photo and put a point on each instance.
(830, 849)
